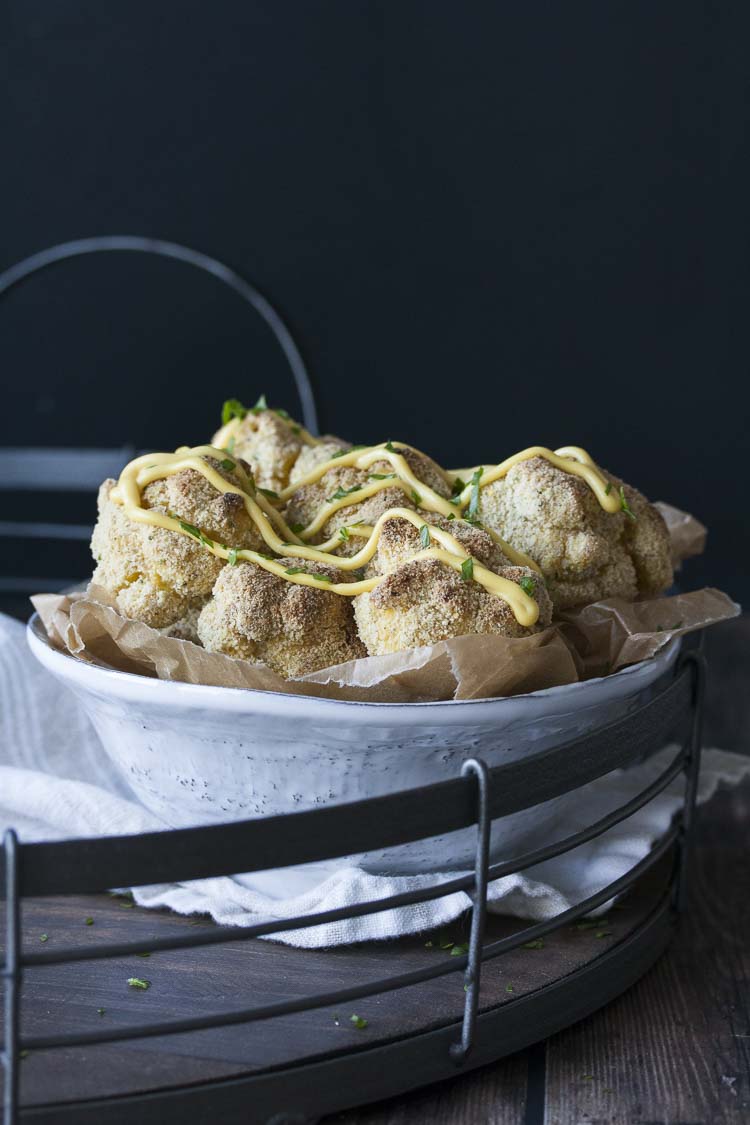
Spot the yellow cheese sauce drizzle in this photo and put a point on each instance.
(276, 534)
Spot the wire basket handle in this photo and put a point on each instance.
(80, 246)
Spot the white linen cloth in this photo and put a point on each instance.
(56, 781)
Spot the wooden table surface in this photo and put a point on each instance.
(673, 1049)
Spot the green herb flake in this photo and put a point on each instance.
(143, 954)
(358, 1021)
(528, 585)
(458, 487)
(537, 943)
(452, 516)
(322, 577)
(467, 570)
(428, 945)
(232, 408)
(295, 570)
(269, 493)
(445, 941)
(191, 529)
(416, 497)
(138, 982)
(344, 533)
(340, 493)
(282, 413)
(603, 933)
(295, 528)
(100, 1011)
(381, 476)
(474, 494)
(232, 556)
(230, 445)
(459, 949)
(88, 921)
(624, 504)
(260, 406)
(228, 465)
(509, 988)
(608, 489)
(23, 1054)
(424, 536)
(390, 447)
(44, 937)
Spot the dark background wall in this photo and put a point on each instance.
(488, 225)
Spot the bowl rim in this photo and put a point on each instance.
(69, 667)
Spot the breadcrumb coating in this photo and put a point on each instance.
(292, 629)
(159, 576)
(424, 601)
(585, 553)
(274, 445)
(304, 504)
(400, 541)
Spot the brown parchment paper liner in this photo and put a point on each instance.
(591, 641)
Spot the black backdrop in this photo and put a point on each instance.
(487, 224)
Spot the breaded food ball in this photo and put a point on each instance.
(585, 553)
(160, 576)
(424, 601)
(400, 540)
(273, 444)
(305, 503)
(292, 629)
(310, 456)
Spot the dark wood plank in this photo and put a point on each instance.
(676, 1047)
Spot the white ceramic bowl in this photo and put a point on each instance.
(203, 755)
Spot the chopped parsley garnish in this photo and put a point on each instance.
(295, 570)
(474, 494)
(424, 536)
(227, 464)
(295, 528)
(458, 487)
(143, 954)
(390, 447)
(528, 585)
(358, 1021)
(467, 570)
(44, 937)
(624, 504)
(260, 406)
(100, 1011)
(608, 489)
(196, 532)
(282, 413)
(452, 516)
(509, 988)
(232, 408)
(269, 493)
(137, 982)
(416, 497)
(603, 933)
(473, 520)
(230, 445)
(537, 943)
(232, 556)
(381, 476)
(344, 533)
(340, 493)
(322, 577)
(459, 949)
(343, 452)
(428, 945)
(88, 921)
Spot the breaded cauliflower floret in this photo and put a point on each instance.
(305, 503)
(159, 576)
(310, 456)
(273, 444)
(291, 628)
(424, 601)
(400, 540)
(586, 554)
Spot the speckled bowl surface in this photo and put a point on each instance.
(202, 755)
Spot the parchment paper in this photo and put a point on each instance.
(591, 641)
